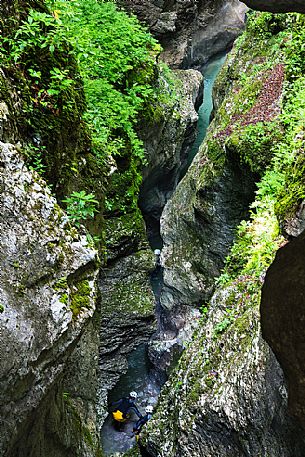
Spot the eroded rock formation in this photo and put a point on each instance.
(125, 288)
(283, 314)
(190, 31)
(47, 300)
(167, 143)
(227, 397)
(128, 317)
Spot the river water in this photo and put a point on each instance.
(139, 378)
(140, 375)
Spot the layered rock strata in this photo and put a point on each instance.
(47, 288)
(167, 143)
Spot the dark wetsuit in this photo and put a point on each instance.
(142, 421)
(125, 405)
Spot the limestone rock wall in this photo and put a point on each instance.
(190, 31)
(127, 299)
(58, 136)
(167, 143)
(48, 296)
(282, 315)
(128, 317)
(227, 397)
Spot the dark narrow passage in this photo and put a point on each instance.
(140, 376)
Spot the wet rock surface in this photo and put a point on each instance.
(227, 396)
(128, 318)
(167, 143)
(197, 228)
(47, 296)
(283, 314)
(190, 31)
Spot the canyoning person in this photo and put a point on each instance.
(123, 408)
(142, 421)
(157, 253)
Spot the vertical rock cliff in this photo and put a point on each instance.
(190, 31)
(228, 395)
(282, 314)
(48, 297)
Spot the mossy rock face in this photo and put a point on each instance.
(124, 234)
(50, 127)
(238, 147)
(229, 377)
(126, 288)
(228, 394)
(127, 316)
(46, 265)
(80, 296)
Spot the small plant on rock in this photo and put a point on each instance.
(81, 206)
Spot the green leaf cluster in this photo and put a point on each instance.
(117, 60)
(81, 206)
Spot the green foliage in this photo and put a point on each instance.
(61, 284)
(254, 144)
(204, 310)
(35, 158)
(221, 326)
(265, 25)
(282, 187)
(40, 31)
(228, 318)
(64, 299)
(81, 206)
(289, 159)
(66, 396)
(294, 40)
(1, 308)
(117, 59)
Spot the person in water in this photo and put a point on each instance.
(123, 408)
(143, 420)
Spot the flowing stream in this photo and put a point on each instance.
(140, 375)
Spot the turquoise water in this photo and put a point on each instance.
(139, 375)
(210, 72)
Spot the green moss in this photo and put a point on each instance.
(133, 296)
(255, 144)
(64, 298)
(80, 296)
(61, 284)
(129, 225)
